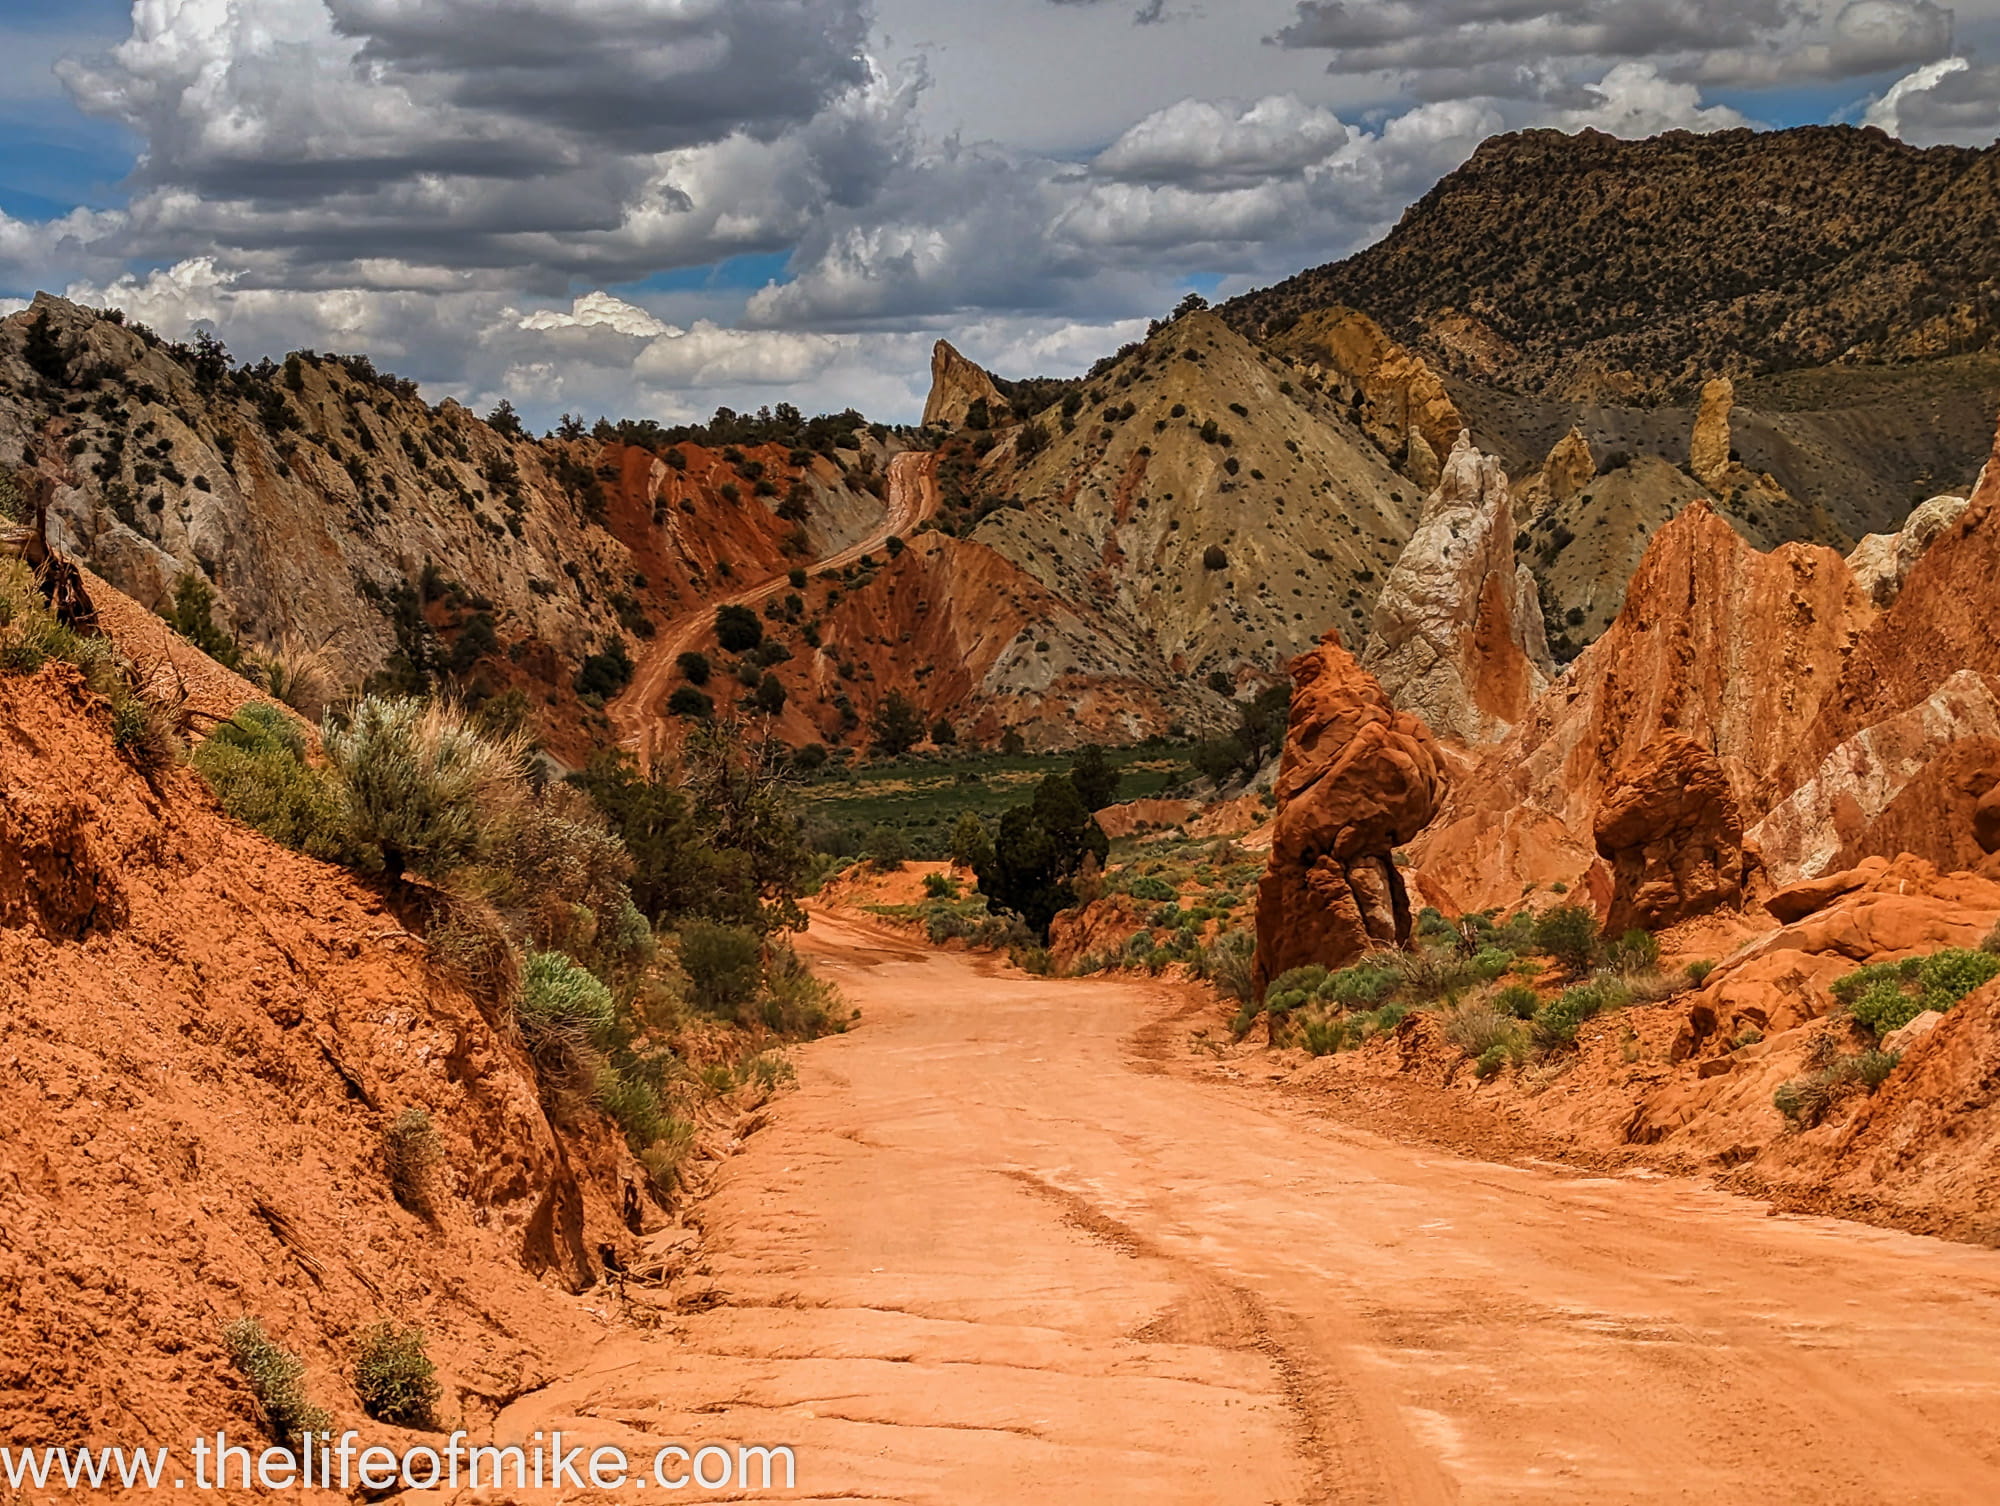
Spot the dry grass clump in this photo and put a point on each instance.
(411, 1152)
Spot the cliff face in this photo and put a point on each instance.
(1728, 646)
(1458, 637)
(1837, 731)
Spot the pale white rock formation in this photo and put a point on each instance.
(1458, 638)
(956, 385)
(1883, 561)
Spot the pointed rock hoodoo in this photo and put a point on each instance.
(1359, 779)
(956, 386)
(1708, 453)
(1458, 634)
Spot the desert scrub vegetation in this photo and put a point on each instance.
(1805, 1101)
(277, 1379)
(1472, 972)
(145, 727)
(394, 1377)
(621, 925)
(411, 1153)
(1885, 996)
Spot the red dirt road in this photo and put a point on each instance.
(637, 714)
(1001, 1247)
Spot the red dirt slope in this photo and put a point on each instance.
(202, 1038)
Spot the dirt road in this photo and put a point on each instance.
(1002, 1246)
(913, 497)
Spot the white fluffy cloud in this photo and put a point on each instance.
(1950, 102)
(436, 181)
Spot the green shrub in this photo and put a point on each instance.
(276, 1377)
(1227, 963)
(1517, 1001)
(256, 765)
(410, 1155)
(1155, 890)
(1568, 933)
(561, 1006)
(1365, 984)
(1634, 952)
(723, 965)
(1322, 1034)
(425, 789)
(1556, 1023)
(1885, 996)
(395, 1379)
(1806, 1101)
(796, 1003)
(1477, 1028)
(1032, 959)
(1697, 972)
(940, 886)
(888, 849)
(1491, 962)
(1302, 980)
(1490, 1061)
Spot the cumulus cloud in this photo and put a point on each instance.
(318, 139)
(1950, 102)
(1633, 100)
(1531, 48)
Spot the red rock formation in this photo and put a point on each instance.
(1358, 779)
(1732, 648)
(1672, 833)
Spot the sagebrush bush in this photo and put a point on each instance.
(277, 1378)
(1365, 984)
(1322, 1034)
(411, 1152)
(256, 764)
(395, 1379)
(795, 1002)
(296, 673)
(1806, 1101)
(1477, 1028)
(426, 790)
(1634, 952)
(1517, 1001)
(561, 1007)
(1992, 941)
(1885, 996)
(1227, 962)
(1556, 1023)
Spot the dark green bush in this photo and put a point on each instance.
(1885, 996)
(1568, 933)
(723, 966)
(276, 1377)
(395, 1379)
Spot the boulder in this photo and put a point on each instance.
(1358, 779)
(1900, 1040)
(1811, 896)
(1673, 835)
(1458, 634)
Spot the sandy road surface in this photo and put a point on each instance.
(1001, 1246)
(636, 713)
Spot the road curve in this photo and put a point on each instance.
(1004, 1245)
(636, 714)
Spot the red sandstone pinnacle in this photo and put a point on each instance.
(1359, 779)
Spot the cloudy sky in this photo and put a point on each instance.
(649, 207)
